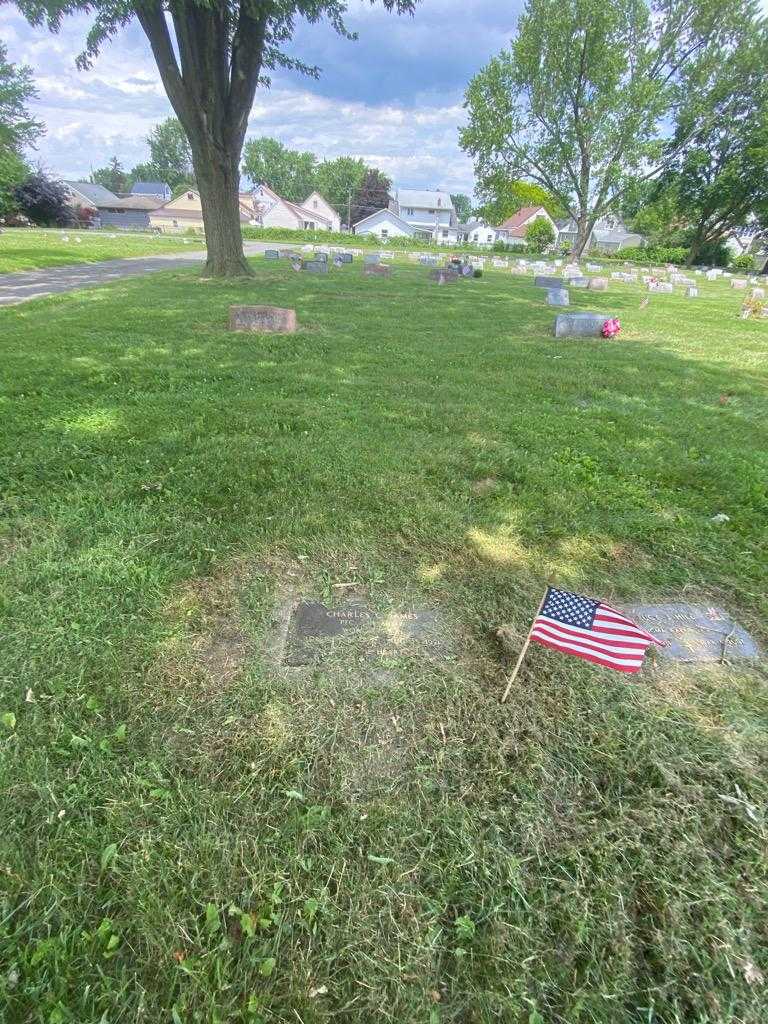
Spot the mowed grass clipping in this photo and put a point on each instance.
(38, 248)
(193, 832)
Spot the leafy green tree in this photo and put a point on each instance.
(463, 206)
(539, 234)
(720, 181)
(578, 103)
(372, 195)
(113, 177)
(170, 157)
(211, 57)
(339, 181)
(13, 171)
(501, 196)
(17, 126)
(288, 172)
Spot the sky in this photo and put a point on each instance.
(393, 97)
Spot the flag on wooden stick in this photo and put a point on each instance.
(591, 630)
(587, 629)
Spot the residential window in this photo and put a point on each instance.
(445, 232)
(385, 232)
(430, 211)
(190, 195)
(314, 204)
(409, 211)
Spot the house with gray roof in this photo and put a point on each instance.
(109, 210)
(608, 234)
(426, 214)
(154, 189)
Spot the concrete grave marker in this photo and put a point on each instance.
(558, 297)
(268, 319)
(598, 284)
(371, 259)
(580, 325)
(548, 282)
(376, 270)
(346, 257)
(758, 293)
(314, 266)
(661, 286)
(738, 283)
(691, 292)
(694, 632)
(578, 282)
(271, 254)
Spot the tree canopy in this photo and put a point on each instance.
(288, 172)
(170, 157)
(17, 126)
(462, 205)
(211, 58)
(500, 196)
(113, 176)
(372, 195)
(578, 103)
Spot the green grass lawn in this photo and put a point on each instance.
(194, 832)
(36, 248)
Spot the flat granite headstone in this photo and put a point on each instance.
(271, 254)
(578, 282)
(270, 319)
(315, 266)
(694, 632)
(661, 286)
(580, 325)
(346, 257)
(312, 621)
(548, 282)
(558, 297)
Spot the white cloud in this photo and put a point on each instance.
(109, 109)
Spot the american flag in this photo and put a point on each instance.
(592, 630)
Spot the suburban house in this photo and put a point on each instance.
(107, 209)
(262, 208)
(477, 232)
(424, 214)
(158, 190)
(185, 213)
(272, 211)
(608, 233)
(384, 224)
(517, 225)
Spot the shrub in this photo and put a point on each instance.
(539, 234)
(44, 200)
(654, 254)
(745, 261)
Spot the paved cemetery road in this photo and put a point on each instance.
(34, 284)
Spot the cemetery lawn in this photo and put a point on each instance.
(195, 832)
(37, 248)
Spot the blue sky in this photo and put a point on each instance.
(393, 97)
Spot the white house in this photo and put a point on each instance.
(477, 232)
(384, 224)
(316, 204)
(517, 225)
(430, 212)
(425, 214)
(272, 211)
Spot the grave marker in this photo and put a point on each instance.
(694, 632)
(580, 325)
(314, 266)
(271, 254)
(267, 319)
(558, 297)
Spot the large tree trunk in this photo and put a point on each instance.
(218, 181)
(583, 232)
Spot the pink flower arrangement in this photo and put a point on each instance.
(611, 327)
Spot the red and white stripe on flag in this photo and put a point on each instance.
(591, 630)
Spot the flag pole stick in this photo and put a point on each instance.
(524, 650)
